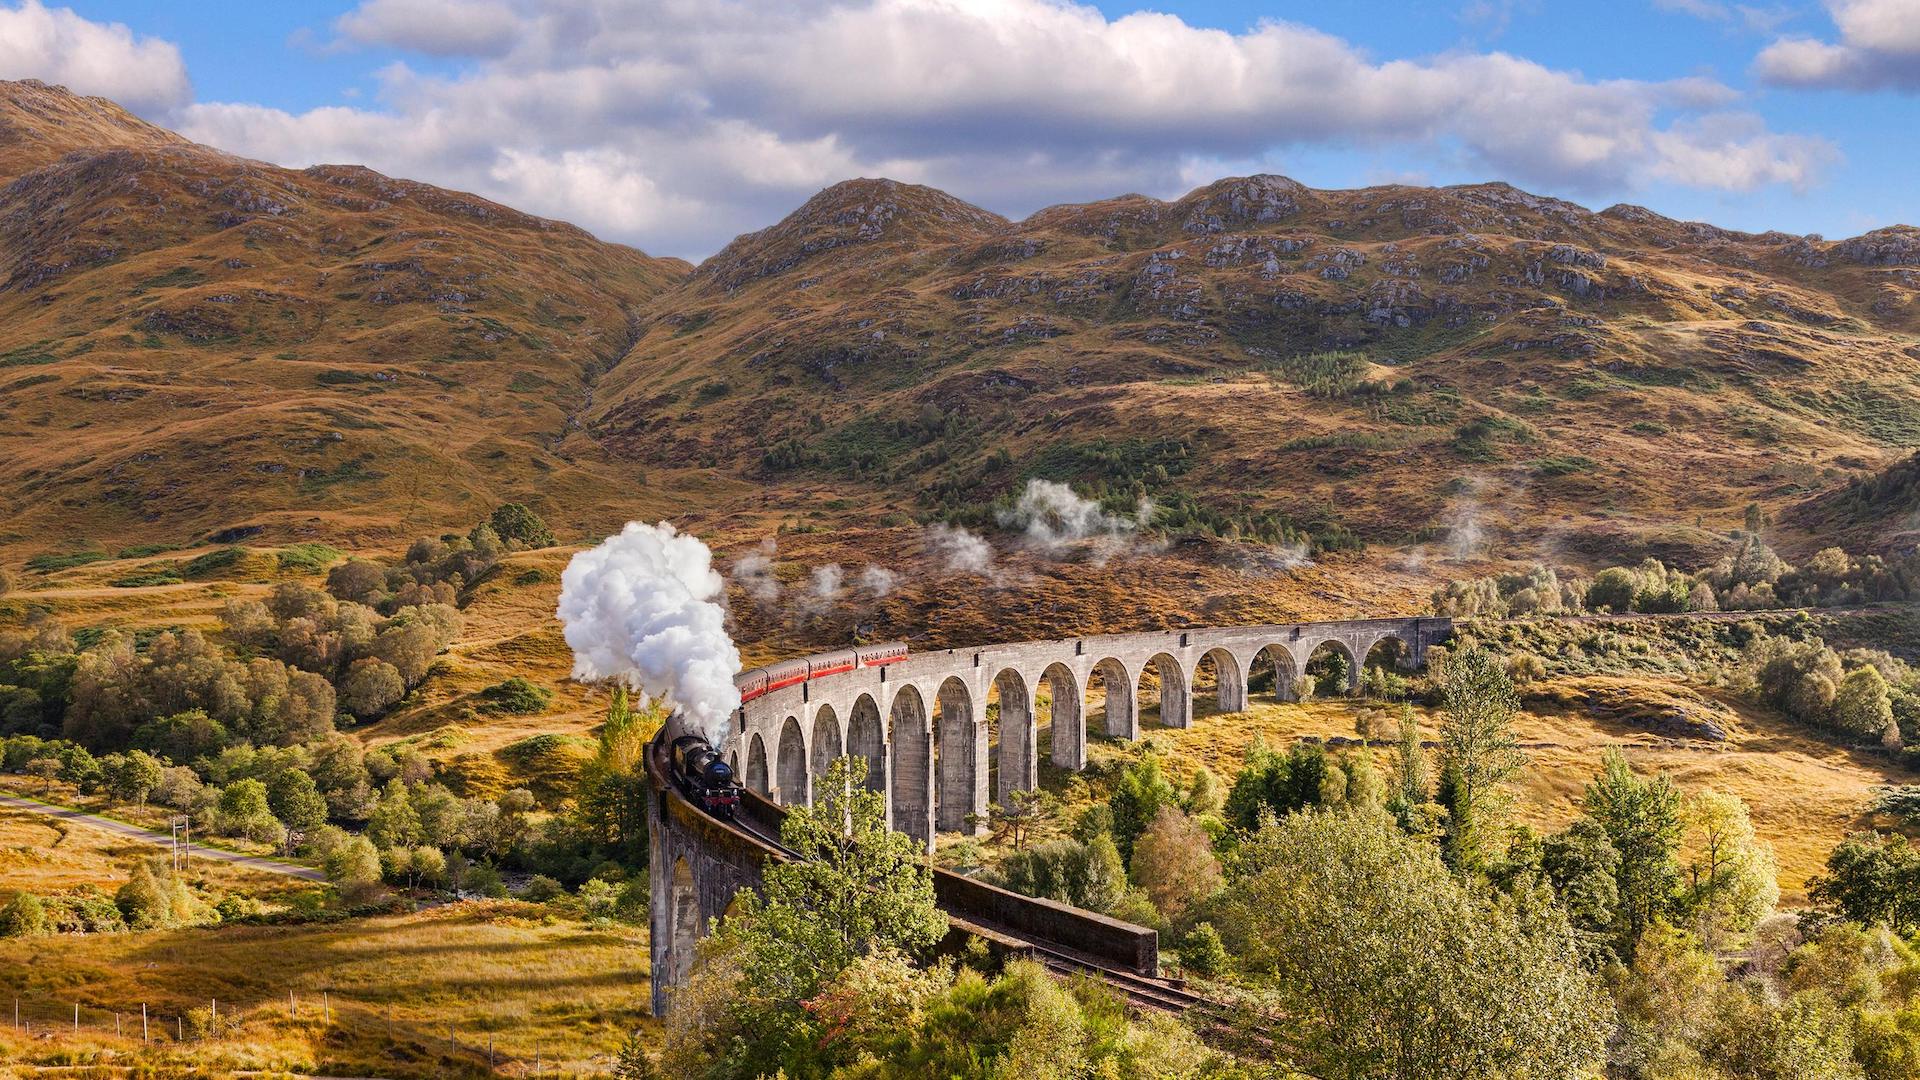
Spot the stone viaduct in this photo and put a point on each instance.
(951, 717)
(945, 733)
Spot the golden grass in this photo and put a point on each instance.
(1805, 793)
(44, 855)
(534, 982)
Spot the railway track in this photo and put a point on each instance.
(1143, 991)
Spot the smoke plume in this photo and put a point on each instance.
(645, 608)
(753, 572)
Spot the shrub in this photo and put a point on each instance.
(514, 523)
(540, 888)
(1203, 953)
(517, 696)
(308, 558)
(24, 916)
(202, 566)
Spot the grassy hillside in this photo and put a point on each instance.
(1261, 357)
(193, 343)
(542, 986)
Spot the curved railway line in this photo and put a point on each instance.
(1143, 991)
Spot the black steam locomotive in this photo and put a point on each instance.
(704, 777)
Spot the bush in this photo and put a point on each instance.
(202, 566)
(1203, 953)
(484, 879)
(540, 888)
(308, 558)
(24, 916)
(517, 696)
(514, 523)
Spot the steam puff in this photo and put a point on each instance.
(1051, 514)
(878, 580)
(754, 572)
(964, 551)
(643, 608)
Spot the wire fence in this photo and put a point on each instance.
(474, 1050)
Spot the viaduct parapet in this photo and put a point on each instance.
(922, 724)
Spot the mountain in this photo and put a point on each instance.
(1399, 364)
(191, 342)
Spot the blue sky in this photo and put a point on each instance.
(675, 126)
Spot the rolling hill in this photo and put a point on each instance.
(1389, 362)
(194, 342)
(194, 345)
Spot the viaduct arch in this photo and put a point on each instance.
(921, 724)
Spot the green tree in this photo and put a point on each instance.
(296, 801)
(1584, 869)
(1863, 703)
(1372, 960)
(153, 899)
(1138, 795)
(1016, 815)
(1731, 874)
(1642, 819)
(371, 687)
(394, 823)
(132, 776)
(516, 524)
(1872, 880)
(1410, 787)
(857, 889)
(354, 869)
(244, 811)
(1478, 753)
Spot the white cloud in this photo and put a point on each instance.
(1879, 48)
(676, 124)
(57, 46)
(434, 27)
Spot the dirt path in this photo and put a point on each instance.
(251, 862)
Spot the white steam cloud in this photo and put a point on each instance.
(963, 550)
(754, 573)
(878, 580)
(827, 582)
(644, 608)
(1054, 518)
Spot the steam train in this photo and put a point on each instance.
(703, 776)
(765, 680)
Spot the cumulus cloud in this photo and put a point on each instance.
(57, 46)
(677, 125)
(1879, 48)
(434, 27)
